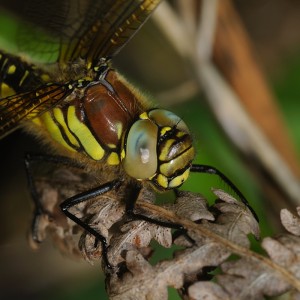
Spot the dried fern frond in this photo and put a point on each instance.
(216, 240)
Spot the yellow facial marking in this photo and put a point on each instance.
(162, 181)
(165, 150)
(180, 134)
(11, 69)
(113, 159)
(164, 130)
(87, 140)
(177, 181)
(144, 116)
(60, 119)
(54, 130)
(169, 168)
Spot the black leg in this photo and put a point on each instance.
(85, 196)
(130, 203)
(211, 170)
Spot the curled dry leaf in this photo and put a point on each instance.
(137, 235)
(52, 188)
(143, 281)
(192, 206)
(255, 277)
(107, 216)
(290, 221)
(151, 282)
(203, 290)
(247, 278)
(235, 220)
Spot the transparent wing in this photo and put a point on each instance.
(24, 92)
(64, 31)
(25, 106)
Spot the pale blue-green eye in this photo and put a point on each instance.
(164, 117)
(140, 159)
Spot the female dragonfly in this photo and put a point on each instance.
(85, 110)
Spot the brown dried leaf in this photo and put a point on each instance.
(219, 233)
(52, 189)
(150, 282)
(247, 278)
(254, 277)
(192, 206)
(136, 235)
(235, 222)
(204, 290)
(290, 221)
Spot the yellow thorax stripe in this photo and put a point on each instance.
(58, 114)
(86, 138)
(113, 159)
(54, 130)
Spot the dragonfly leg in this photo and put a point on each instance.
(130, 203)
(212, 170)
(85, 196)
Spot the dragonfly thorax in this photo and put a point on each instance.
(158, 148)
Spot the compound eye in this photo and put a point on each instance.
(164, 118)
(140, 159)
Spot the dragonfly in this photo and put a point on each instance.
(85, 111)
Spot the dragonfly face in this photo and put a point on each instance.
(93, 112)
(159, 148)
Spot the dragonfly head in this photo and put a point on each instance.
(158, 148)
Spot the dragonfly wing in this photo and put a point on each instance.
(24, 92)
(108, 33)
(25, 106)
(65, 31)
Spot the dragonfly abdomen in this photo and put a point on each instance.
(17, 76)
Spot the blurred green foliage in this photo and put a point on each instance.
(286, 87)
